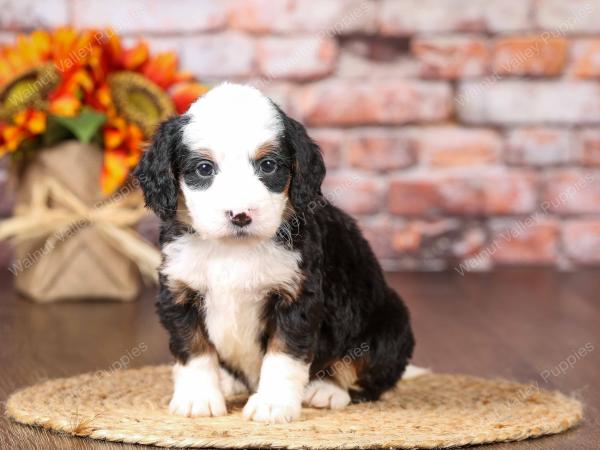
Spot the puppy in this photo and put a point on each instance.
(265, 287)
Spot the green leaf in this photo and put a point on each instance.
(83, 126)
(55, 132)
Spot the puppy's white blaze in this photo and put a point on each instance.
(197, 388)
(280, 391)
(234, 278)
(232, 122)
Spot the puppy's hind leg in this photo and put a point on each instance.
(389, 345)
(230, 384)
(328, 388)
(325, 394)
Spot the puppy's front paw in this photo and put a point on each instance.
(263, 408)
(198, 402)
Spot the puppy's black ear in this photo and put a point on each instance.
(157, 171)
(308, 169)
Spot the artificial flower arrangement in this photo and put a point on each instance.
(87, 85)
(75, 110)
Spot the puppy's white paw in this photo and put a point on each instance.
(198, 402)
(325, 394)
(263, 408)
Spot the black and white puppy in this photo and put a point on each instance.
(265, 286)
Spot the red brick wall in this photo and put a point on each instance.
(456, 131)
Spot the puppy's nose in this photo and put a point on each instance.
(239, 219)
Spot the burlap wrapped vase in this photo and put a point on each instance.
(70, 242)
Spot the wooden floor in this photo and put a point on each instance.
(514, 324)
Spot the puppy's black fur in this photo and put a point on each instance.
(344, 303)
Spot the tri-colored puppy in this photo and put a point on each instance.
(265, 286)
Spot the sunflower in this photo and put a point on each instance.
(28, 89)
(70, 95)
(185, 93)
(27, 124)
(161, 69)
(123, 148)
(46, 64)
(27, 53)
(68, 76)
(135, 57)
(26, 74)
(139, 100)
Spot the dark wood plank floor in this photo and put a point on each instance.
(513, 324)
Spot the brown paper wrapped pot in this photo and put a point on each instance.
(78, 264)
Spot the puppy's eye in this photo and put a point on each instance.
(268, 166)
(205, 168)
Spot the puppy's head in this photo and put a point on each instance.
(235, 162)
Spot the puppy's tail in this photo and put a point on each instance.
(413, 372)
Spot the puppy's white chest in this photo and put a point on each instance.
(235, 279)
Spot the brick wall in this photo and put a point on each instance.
(456, 131)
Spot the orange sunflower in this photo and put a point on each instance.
(66, 73)
(25, 78)
(27, 124)
(123, 148)
(147, 90)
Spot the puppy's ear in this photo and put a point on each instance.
(157, 171)
(308, 169)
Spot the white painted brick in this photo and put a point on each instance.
(218, 56)
(529, 102)
(134, 16)
(568, 16)
(404, 17)
(298, 58)
(328, 17)
(29, 14)
(7, 37)
(539, 146)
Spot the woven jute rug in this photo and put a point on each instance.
(432, 410)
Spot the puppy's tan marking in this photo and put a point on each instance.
(345, 376)
(289, 213)
(276, 344)
(195, 334)
(181, 292)
(343, 371)
(200, 345)
(183, 215)
(264, 150)
(205, 154)
(290, 292)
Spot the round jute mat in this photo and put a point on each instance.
(432, 410)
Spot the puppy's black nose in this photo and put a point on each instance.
(240, 219)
